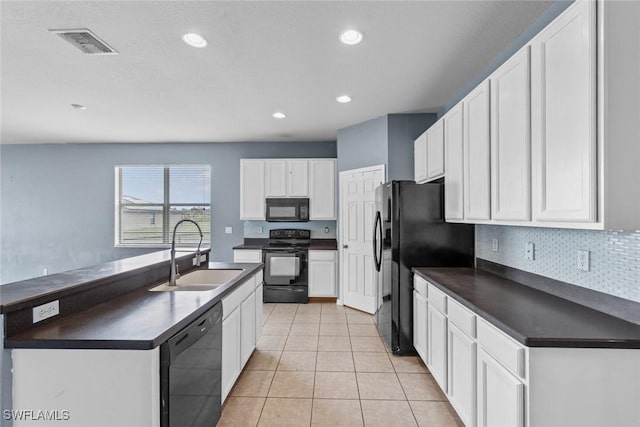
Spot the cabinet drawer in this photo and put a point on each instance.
(235, 298)
(247, 255)
(503, 348)
(462, 317)
(437, 298)
(420, 285)
(322, 255)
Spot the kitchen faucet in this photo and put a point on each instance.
(173, 276)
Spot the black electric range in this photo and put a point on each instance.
(285, 257)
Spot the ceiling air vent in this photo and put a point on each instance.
(86, 41)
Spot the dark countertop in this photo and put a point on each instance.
(17, 295)
(139, 319)
(315, 245)
(532, 317)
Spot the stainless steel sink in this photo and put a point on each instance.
(201, 280)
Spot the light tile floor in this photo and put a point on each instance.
(321, 364)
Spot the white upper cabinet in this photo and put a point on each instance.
(286, 178)
(252, 174)
(298, 178)
(420, 158)
(510, 140)
(563, 118)
(435, 150)
(322, 189)
(275, 178)
(454, 163)
(477, 161)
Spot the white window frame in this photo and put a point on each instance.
(165, 206)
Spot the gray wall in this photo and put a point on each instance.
(403, 129)
(57, 209)
(362, 145)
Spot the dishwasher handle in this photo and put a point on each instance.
(196, 330)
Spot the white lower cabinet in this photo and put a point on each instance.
(241, 329)
(322, 273)
(461, 372)
(500, 394)
(420, 324)
(437, 345)
(247, 327)
(230, 351)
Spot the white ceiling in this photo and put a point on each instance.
(262, 56)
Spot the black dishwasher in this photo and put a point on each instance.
(190, 373)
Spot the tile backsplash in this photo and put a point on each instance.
(260, 229)
(614, 255)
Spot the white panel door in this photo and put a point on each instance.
(420, 159)
(437, 345)
(230, 351)
(477, 161)
(298, 178)
(454, 163)
(420, 325)
(563, 119)
(357, 201)
(461, 366)
(435, 150)
(500, 395)
(275, 178)
(247, 327)
(511, 139)
(252, 175)
(322, 189)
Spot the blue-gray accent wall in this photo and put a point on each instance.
(386, 140)
(57, 209)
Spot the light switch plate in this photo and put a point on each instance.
(46, 311)
(494, 245)
(228, 230)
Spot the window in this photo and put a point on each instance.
(150, 200)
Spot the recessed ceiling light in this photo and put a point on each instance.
(351, 37)
(78, 107)
(195, 40)
(279, 115)
(343, 99)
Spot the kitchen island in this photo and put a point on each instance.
(98, 361)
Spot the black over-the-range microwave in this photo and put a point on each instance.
(287, 209)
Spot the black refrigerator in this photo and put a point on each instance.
(410, 231)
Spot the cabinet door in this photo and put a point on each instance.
(247, 327)
(435, 150)
(230, 351)
(563, 117)
(259, 310)
(420, 325)
(437, 345)
(275, 178)
(500, 395)
(252, 204)
(454, 163)
(477, 161)
(510, 140)
(322, 189)
(420, 159)
(322, 278)
(462, 374)
(247, 255)
(298, 178)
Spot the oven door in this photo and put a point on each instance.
(284, 267)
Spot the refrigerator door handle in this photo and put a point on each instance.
(377, 253)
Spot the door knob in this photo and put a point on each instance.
(345, 246)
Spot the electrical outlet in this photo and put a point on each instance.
(45, 271)
(260, 230)
(583, 260)
(494, 245)
(45, 311)
(529, 252)
(326, 230)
